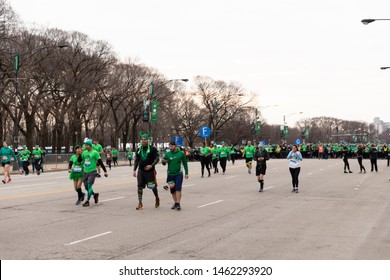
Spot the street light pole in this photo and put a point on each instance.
(149, 102)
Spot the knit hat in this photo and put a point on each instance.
(88, 141)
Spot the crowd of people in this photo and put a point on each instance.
(86, 163)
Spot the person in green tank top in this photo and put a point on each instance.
(175, 159)
(75, 169)
(5, 154)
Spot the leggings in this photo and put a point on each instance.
(360, 161)
(204, 161)
(294, 176)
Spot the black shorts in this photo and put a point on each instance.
(144, 177)
(5, 163)
(248, 160)
(261, 170)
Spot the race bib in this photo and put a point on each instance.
(151, 185)
(4, 158)
(87, 163)
(77, 169)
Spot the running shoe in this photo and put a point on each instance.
(139, 207)
(351, 171)
(174, 206)
(96, 197)
(296, 191)
(78, 201)
(9, 180)
(38, 173)
(293, 191)
(178, 207)
(261, 190)
(98, 175)
(3, 181)
(86, 204)
(157, 202)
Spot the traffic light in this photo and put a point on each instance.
(303, 134)
(253, 128)
(145, 115)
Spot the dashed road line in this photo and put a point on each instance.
(88, 238)
(110, 199)
(211, 203)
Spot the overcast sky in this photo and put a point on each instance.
(310, 56)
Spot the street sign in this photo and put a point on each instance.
(205, 132)
(154, 117)
(178, 140)
(17, 63)
(298, 141)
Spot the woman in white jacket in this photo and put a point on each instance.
(294, 157)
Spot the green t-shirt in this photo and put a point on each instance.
(90, 160)
(224, 152)
(249, 151)
(175, 160)
(6, 153)
(204, 151)
(98, 148)
(114, 152)
(24, 155)
(37, 153)
(215, 153)
(130, 155)
(77, 166)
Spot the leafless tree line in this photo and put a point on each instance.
(62, 94)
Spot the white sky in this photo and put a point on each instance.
(310, 56)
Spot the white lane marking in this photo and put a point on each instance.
(110, 199)
(208, 204)
(321, 169)
(25, 186)
(270, 187)
(88, 238)
(230, 177)
(309, 173)
(188, 185)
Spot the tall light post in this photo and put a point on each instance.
(150, 113)
(256, 125)
(17, 62)
(284, 128)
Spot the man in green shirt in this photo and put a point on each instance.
(249, 152)
(175, 159)
(91, 159)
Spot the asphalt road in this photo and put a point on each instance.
(335, 216)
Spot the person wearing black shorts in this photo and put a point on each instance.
(261, 157)
(146, 159)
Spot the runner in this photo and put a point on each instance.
(99, 148)
(294, 157)
(24, 156)
(261, 157)
(91, 159)
(146, 159)
(75, 168)
(114, 152)
(37, 157)
(204, 153)
(215, 157)
(130, 156)
(6, 153)
(249, 151)
(224, 154)
(175, 159)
